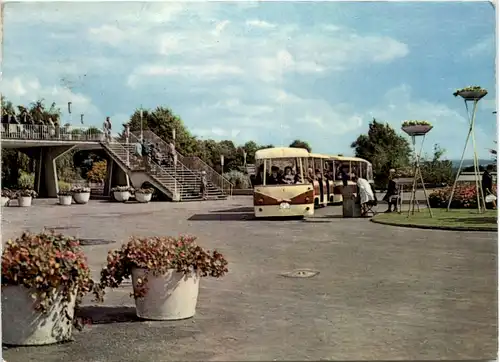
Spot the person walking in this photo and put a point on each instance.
(145, 155)
(173, 153)
(108, 127)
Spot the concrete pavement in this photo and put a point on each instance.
(381, 292)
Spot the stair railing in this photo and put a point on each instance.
(195, 163)
(155, 172)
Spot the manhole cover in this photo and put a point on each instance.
(301, 273)
(84, 242)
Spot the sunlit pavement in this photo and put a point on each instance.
(381, 293)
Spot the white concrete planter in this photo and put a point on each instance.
(65, 200)
(121, 196)
(140, 197)
(24, 201)
(81, 197)
(169, 297)
(22, 325)
(5, 201)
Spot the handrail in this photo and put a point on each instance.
(179, 189)
(179, 164)
(213, 177)
(48, 133)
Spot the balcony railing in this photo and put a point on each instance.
(49, 133)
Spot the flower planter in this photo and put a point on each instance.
(140, 197)
(5, 201)
(121, 196)
(22, 325)
(472, 95)
(24, 201)
(169, 297)
(81, 197)
(416, 130)
(65, 200)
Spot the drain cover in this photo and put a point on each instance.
(301, 273)
(95, 242)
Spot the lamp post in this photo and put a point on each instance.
(142, 134)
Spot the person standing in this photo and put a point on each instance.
(105, 129)
(173, 153)
(487, 186)
(145, 154)
(203, 185)
(391, 196)
(108, 127)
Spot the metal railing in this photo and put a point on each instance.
(49, 133)
(155, 170)
(195, 163)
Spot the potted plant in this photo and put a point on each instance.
(25, 197)
(7, 195)
(81, 194)
(65, 197)
(165, 274)
(121, 193)
(44, 277)
(416, 128)
(471, 93)
(143, 194)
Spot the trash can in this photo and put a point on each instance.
(350, 206)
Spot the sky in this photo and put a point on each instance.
(270, 72)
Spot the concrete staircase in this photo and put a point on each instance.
(179, 183)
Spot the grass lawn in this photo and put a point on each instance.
(459, 219)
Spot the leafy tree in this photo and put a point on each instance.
(300, 144)
(38, 111)
(162, 121)
(384, 148)
(435, 170)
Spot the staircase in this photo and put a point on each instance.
(178, 183)
(191, 167)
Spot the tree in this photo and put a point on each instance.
(384, 148)
(435, 170)
(162, 121)
(98, 172)
(301, 144)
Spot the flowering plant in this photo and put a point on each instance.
(64, 193)
(46, 263)
(465, 196)
(9, 193)
(159, 255)
(472, 88)
(415, 123)
(27, 193)
(122, 189)
(144, 191)
(80, 189)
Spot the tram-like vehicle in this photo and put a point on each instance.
(346, 167)
(322, 186)
(281, 187)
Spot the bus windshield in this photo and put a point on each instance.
(280, 171)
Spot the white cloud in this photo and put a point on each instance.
(25, 90)
(260, 24)
(485, 46)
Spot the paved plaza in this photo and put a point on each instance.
(382, 292)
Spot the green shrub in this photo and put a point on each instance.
(63, 185)
(238, 179)
(26, 180)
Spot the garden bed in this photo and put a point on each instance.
(455, 219)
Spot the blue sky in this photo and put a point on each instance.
(270, 72)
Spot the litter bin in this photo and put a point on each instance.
(350, 208)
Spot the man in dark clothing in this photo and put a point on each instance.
(487, 185)
(274, 176)
(343, 174)
(145, 154)
(391, 196)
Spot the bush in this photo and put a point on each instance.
(464, 197)
(98, 172)
(26, 180)
(239, 179)
(63, 186)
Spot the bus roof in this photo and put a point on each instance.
(281, 152)
(347, 159)
(318, 155)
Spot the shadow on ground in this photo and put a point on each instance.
(227, 216)
(105, 315)
(478, 220)
(237, 209)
